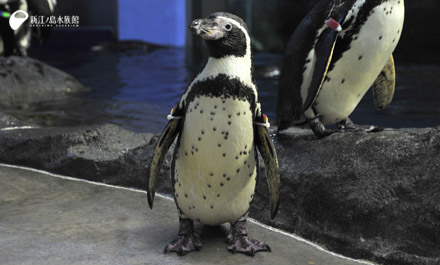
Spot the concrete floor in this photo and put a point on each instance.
(47, 219)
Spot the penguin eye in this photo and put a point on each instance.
(228, 27)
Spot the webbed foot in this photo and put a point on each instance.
(186, 241)
(347, 125)
(239, 241)
(319, 129)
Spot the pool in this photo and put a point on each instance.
(136, 89)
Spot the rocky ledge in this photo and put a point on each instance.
(367, 196)
(26, 80)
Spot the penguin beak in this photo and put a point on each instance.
(206, 29)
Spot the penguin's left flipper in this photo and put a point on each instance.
(269, 155)
(165, 141)
(324, 52)
(383, 87)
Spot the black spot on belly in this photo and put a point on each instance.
(219, 145)
(203, 132)
(211, 174)
(204, 197)
(229, 116)
(214, 129)
(238, 170)
(218, 195)
(238, 114)
(236, 158)
(228, 179)
(224, 175)
(200, 138)
(215, 106)
(209, 185)
(201, 111)
(380, 37)
(186, 195)
(212, 113)
(229, 123)
(360, 57)
(224, 155)
(343, 81)
(222, 184)
(212, 206)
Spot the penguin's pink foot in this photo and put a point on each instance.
(184, 244)
(186, 241)
(239, 241)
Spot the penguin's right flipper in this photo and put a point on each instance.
(165, 141)
(383, 87)
(324, 53)
(269, 155)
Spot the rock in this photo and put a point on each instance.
(25, 80)
(371, 196)
(7, 121)
(367, 196)
(104, 153)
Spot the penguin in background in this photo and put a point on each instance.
(338, 51)
(18, 42)
(219, 127)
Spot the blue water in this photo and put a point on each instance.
(137, 89)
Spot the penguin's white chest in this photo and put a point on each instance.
(357, 69)
(215, 167)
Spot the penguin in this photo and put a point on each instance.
(338, 51)
(219, 127)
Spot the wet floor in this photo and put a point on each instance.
(136, 90)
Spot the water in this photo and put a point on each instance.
(136, 90)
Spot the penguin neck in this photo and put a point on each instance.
(231, 66)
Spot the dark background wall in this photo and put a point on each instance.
(101, 14)
(271, 22)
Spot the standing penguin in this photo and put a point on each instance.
(339, 50)
(219, 126)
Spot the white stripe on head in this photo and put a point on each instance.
(233, 66)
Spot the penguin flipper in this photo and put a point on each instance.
(324, 52)
(165, 141)
(383, 87)
(268, 153)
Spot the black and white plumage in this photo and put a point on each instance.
(215, 164)
(327, 71)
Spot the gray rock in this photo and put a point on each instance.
(368, 196)
(25, 80)
(104, 153)
(7, 121)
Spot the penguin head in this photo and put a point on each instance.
(225, 34)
